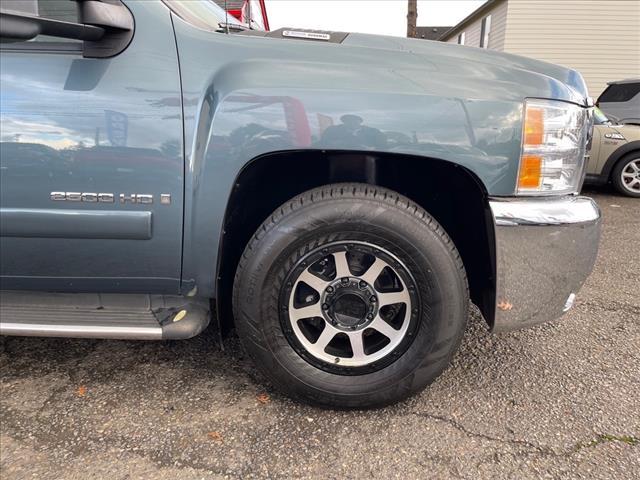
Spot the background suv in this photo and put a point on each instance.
(621, 100)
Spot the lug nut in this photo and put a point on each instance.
(373, 299)
(344, 280)
(329, 289)
(370, 316)
(325, 306)
(362, 284)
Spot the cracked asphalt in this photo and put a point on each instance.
(557, 401)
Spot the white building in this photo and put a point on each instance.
(599, 38)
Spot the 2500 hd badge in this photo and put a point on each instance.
(165, 198)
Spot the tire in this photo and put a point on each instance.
(392, 246)
(626, 175)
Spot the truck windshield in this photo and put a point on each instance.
(205, 15)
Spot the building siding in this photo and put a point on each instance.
(499, 16)
(471, 32)
(598, 38)
(498, 28)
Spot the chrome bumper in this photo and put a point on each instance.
(545, 250)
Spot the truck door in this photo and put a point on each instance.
(91, 157)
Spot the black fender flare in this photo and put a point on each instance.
(617, 155)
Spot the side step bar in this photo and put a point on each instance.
(95, 315)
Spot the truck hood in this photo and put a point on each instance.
(429, 49)
(435, 53)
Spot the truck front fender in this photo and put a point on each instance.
(246, 96)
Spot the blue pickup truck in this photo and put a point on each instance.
(339, 199)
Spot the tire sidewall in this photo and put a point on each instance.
(617, 171)
(441, 286)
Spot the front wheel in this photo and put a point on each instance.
(350, 296)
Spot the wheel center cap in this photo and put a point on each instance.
(350, 309)
(349, 303)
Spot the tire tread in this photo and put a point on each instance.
(338, 192)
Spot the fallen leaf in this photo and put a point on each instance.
(81, 391)
(215, 436)
(506, 306)
(263, 398)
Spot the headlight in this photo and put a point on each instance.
(554, 139)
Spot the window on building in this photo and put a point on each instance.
(461, 38)
(485, 32)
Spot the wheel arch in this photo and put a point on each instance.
(617, 155)
(446, 190)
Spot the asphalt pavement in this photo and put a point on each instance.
(561, 400)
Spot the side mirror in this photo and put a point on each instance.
(15, 27)
(105, 28)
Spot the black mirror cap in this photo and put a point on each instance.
(106, 27)
(115, 18)
(14, 29)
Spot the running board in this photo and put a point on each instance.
(102, 315)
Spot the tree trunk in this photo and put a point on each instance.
(412, 18)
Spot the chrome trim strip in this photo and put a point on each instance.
(544, 211)
(545, 250)
(68, 223)
(80, 331)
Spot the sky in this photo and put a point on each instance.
(384, 17)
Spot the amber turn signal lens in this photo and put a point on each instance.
(533, 126)
(530, 171)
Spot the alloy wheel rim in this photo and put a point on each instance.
(630, 176)
(350, 307)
